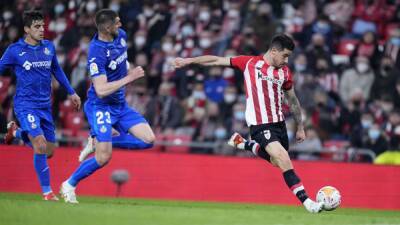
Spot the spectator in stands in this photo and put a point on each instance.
(396, 94)
(317, 49)
(359, 77)
(369, 48)
(385, 78)
(215, 85)
(308, 149)
(164, 112)
(376, 141)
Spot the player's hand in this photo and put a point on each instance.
(180, 62)
(300, 135)
(136, 73)
(76, 101)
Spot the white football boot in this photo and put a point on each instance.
(87, 150)
(67, 192)
(312, 206)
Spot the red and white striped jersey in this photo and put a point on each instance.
(264, 86)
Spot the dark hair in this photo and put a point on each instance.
(105, 16)
(30, 16)
(281, 42)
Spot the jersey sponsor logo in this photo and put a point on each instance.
(103, 129)
(93, 68)
(123, 42)
(22, 53)
(28, 65)
(113, 64)
(267, 134)
(46, 51)
(261, 76)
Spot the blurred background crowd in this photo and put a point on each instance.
(346, 66)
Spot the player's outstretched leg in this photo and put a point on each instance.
(280, 158)
(85, 169)
(87, 150)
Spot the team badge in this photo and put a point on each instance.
(93, 68)
(103, 129)
(123, 42)
(46, 51)
(267, 134)
(33, 125)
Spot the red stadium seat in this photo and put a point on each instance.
(179, 143)
(74, 121)
(334, 146)
(390, 28)
(346, 46)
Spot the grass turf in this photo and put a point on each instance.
(28, 209)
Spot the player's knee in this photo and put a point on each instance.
(40, 145)
(150, 138)
(283, 160)
(50, 155)
(103, 158)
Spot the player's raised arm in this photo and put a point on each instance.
(104, 88)
(206, 60)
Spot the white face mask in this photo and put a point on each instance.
(7, 15)
(187, 30)
(204, 16)
(148, 12)
(59, 8)
(228, 73)
(229, 98)
(362, 67)
(91, 7)
(181, 11)
(167, 47)
(239, 115)
(189, 43)
(205, 43)
(140, 41)
(60, 27)
(115, 7)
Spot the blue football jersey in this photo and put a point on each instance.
(33, 66)
(110, 59)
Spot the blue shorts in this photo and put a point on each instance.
(37, 122)
(103, 117)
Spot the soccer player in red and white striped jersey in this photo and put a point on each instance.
(267, 79)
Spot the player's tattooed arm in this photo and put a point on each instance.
(296, 111)
(295, 108)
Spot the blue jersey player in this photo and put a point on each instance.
(34, 61)
(106, 106)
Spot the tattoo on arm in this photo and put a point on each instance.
(295, 108)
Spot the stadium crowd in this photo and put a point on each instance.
(346, 65)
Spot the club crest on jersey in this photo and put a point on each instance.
(46, 51)
(93, 68)
(103, 129)
(27, 65)
(267, 134)
(123, 42)
(33, 125)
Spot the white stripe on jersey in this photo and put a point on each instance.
(260, 93)
(270, 73)
(250, 113)
(280, 95)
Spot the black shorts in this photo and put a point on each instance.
(264, 134)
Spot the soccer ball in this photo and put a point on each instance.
(330, 196)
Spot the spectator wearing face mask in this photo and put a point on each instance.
(385, 80)
(368, 47)
(215, 85)
(360, 130)
(317, 49)
(375, 140)
(359, 77)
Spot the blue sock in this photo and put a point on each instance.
(42, 171)
(130, 142)
(86, 168)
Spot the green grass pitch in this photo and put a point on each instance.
(29, 209)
